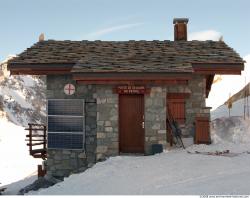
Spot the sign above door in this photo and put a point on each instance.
(131, 89)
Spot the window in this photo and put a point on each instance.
(176, 105)
(177, 108)
(65, 123)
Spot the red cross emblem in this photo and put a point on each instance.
(69, 89)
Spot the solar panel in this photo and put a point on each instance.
(65, 123)
(65, 107)
(65, 141)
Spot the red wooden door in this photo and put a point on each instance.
(202, 130)
(131, 126)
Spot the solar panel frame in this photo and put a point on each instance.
(73, 111)
(65, 124)
(65, 141)
(67, 133)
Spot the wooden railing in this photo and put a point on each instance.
(37, 140)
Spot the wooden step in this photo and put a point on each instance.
(27, 129)
(32, 152)
(35, 144)
(39, 156)
(36, 140)
(35, 136)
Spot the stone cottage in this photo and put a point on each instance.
(105, 98)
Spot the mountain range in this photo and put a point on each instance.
(22, 98)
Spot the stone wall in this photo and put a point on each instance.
(102, 124)
(107, 122)
(195, 103)
(155, 115)
(155, 118)
(64, 162)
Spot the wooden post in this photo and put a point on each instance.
(230, 103)
(40, 171)
(44, 137)
(30, 138)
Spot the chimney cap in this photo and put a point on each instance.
(180, 20)
(41, 37)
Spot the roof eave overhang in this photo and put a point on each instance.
(218, 68)
(39, 69)
(132, 78)
(209, 82)
(66, 68)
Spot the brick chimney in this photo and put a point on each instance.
(180, 29)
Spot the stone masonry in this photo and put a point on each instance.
(195, 104)
(62, 162)
(102, 124)
(107, 122)
(155, 118)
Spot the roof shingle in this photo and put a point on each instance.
(128, 56)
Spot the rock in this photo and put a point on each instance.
(82, 155)
(101, 135)
(156, 126)
(108, 129)
(107, 123)
(41, 182)
(101, 149)
(2, 190)
(162, 131)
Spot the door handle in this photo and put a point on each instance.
(143, 125)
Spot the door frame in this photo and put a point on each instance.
(119, 120)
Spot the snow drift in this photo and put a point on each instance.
(175, 172)
(232, 130)
(16, 163)
(171, 172)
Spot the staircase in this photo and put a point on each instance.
(37, 140)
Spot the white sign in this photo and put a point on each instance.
(69, 89)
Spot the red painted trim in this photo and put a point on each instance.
(217, 71)
(131, 77)
(133, 82)
(178, 95)
(218, 68)
(39, 72)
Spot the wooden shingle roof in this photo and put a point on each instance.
(128, 56)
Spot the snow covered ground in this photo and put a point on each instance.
(16, 163)
(233, 130)
(20, 106)
(172, 172)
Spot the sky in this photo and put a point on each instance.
(22, 21)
